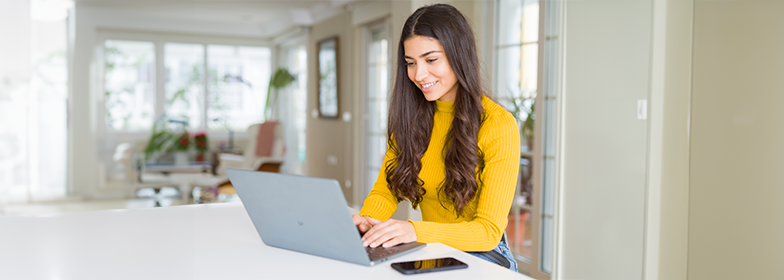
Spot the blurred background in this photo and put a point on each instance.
(651, 132)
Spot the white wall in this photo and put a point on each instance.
(607, 68)
(736, 209)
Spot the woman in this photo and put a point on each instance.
(451, 150)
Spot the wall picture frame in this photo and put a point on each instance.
(327, 58)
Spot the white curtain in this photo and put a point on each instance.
(33, 95)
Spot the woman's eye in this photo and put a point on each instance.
(431, 60)
(409, 63)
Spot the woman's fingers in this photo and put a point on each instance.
(361, 222)
(392, 242)
(374, 236)
(374, 221)
(389, 233)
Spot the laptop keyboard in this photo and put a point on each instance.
(380, 252)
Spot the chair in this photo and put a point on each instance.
(265, 150)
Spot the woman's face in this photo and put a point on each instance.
(429, 69)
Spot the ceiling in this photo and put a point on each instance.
(256, 12)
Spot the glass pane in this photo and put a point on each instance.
(550, 66)
(378, 47)
(295, 62)
(372, 175)
(547, 245)
(238, 78)
(551, 26)
(548, 187)
(508, 73)
(510, 22)
(301, 99)
(129, 89)
(530, 70)
(377, 118)
(184, 82)
(530, 21)
(549, 127)
(376, 104)
(377, 147)
(378, 80)
(518, 230)
(518, 233)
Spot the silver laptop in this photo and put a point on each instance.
(308, 215)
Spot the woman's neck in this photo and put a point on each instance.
(445, 107)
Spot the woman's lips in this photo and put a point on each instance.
(428, 86)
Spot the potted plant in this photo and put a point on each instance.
(181, 149)
(200, 142)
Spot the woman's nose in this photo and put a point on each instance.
(421, 73)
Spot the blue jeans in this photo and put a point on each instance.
(504, 250)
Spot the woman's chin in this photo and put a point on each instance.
(430, 96)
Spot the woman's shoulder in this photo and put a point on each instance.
(495, 114)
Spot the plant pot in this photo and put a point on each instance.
(180, 158)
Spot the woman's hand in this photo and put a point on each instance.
(388, 233)
(362, 223)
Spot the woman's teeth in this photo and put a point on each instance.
(428, 85)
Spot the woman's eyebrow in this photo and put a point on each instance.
(424, 54)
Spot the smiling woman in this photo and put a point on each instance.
(452, 151)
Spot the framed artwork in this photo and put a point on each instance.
(327, 57)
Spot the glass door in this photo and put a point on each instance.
(376, 101)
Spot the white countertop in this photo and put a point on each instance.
(208, 241)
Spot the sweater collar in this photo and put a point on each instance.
(445, 107)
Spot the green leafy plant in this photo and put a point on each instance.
(161, 139)
(279, 80)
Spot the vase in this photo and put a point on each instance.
(180, 158)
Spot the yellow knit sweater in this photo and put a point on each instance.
(484, 219)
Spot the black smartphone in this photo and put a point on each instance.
(431, 265)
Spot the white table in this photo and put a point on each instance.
(208, 241)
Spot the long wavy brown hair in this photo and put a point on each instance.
(411, 115)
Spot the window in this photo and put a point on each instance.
(228, 95)
(525, 83)
(294, 97)
(376, 101)
(129, 86)
(195, 83)
(184, 82)
(238, 82)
